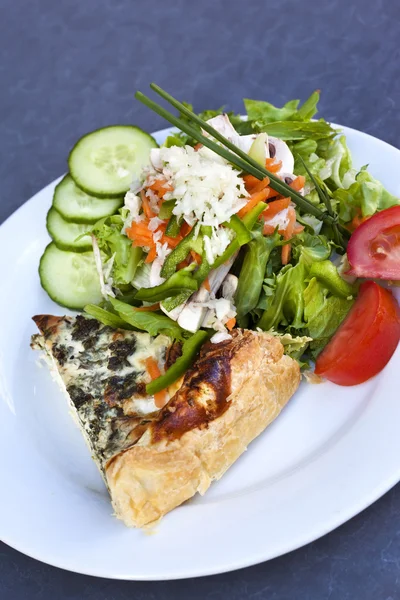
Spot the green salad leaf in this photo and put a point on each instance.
(106, 317)
(259, 110)
(114, 245)
(285, 306)
(152, 322)
(323, 314)
(366, 194)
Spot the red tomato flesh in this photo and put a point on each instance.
(374, 248)
(365, 341)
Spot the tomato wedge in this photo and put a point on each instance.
(374, 248)
(365, 341)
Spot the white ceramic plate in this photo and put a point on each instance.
(331, 453)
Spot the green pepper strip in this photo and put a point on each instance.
(249, 221)
(243, 235)
(166, 209)
(179, 281)
(190, 349)
(173, 227)
(326, 272)
(199, 276)
(181, 251)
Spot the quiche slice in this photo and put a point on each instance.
(154, 459)
(103, 372)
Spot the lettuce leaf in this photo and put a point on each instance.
(259, 110)
(366, 194)
(113, 243)
(285, 306)
(323, 314)
(152, 322)
(289, 122)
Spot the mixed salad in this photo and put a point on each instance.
(259, 223)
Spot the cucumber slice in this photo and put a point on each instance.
(70, 278)
(104, 163)
(75, 205)
(65, 234)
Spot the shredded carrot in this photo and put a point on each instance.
(286, 254)
(197, 147)
(146, 205)
(273, 194)
(152, 367)
(160, 399)
(254, 199)
(151, 308)
(273, 166)
(185, 229)
(275, 207)
(260, 185)
(161, 186)
(153, 370)
(138, 230)
(207, 285)
(269, 229)
(288, 234)
(172, 242)
(356, 221)
(151, 255)
(298, 183)
(230, 324)
(183, 264)
(250, 181)
(196, 257)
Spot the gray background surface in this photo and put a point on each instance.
(67, 67)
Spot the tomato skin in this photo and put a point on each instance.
(374, 247)
(365, 341)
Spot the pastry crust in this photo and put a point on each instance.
(231, 394)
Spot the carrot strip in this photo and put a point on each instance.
(273, 166)
(146, 205)
(185, 229)
(230, 324)
(286, 254)
(152, 367)
(196, 257)
(207, 285)
(197, 147)
(250, 181)
(160, 398)
(172, 242)
(269, 229)
(260, 185)
(356, 221)
(160, 185)
(298, 183)
(254, 199)
(151, 255)
(151, 308)
(288, 234)
(275, 207)
(183, 264)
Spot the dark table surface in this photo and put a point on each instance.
(68, 67)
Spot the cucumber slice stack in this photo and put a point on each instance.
(102, 166)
